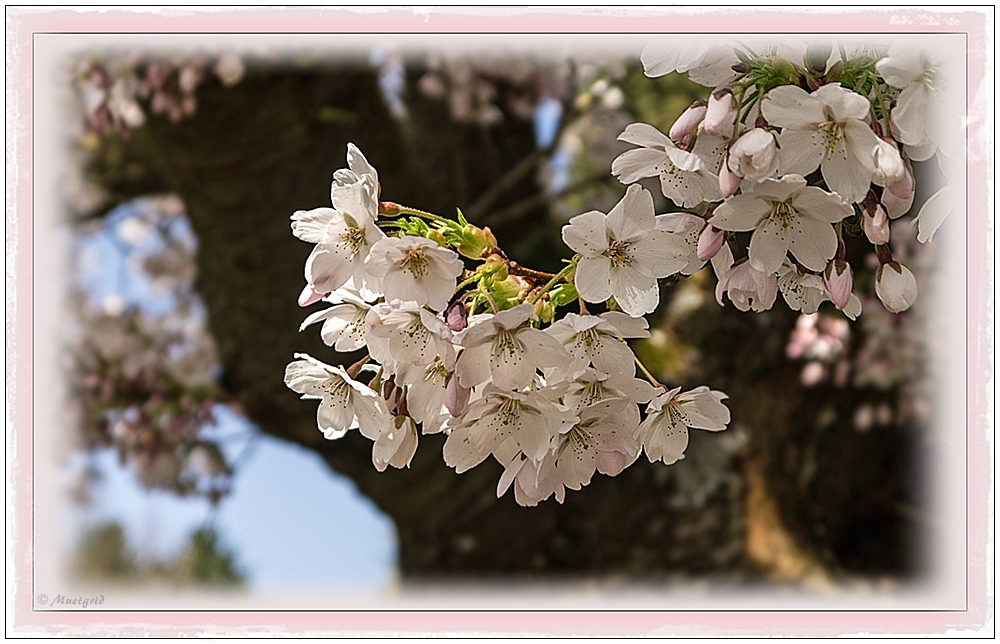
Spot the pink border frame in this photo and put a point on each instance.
(977, 619)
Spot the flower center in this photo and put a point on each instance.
(506, 345)
(618, 253)
(339, 391)
(832, 131)
(353, 238)
(782, 211)
(435, 372)
(592, 392)
(509, 411)
(580, 439)
(414, 262)
(676, 414)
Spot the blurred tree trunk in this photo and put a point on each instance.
(800, 496)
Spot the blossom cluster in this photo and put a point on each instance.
(774, 171)
(794, 148)
(477, 353)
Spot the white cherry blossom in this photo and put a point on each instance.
(344, 323)
(345, 233)
(827, 129)
(686, 178)
(664, 433)
(591, 386)
(344, 402)
(785, 214)
(623, 253)
(504, 348)
(707, 63)
(527, 418)
(802, 291)
(593, 340)
(747, 287)
(594, 443)
(688, 227)
(416, 269)
(415, 336)
(395, 445)
(919, 118)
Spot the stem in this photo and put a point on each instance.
(490, 300)
(649, 376)
(517, 269)
(406, 210)
(462, 285)
(552, 282)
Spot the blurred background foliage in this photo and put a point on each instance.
(814, 482)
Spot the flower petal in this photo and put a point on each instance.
(632, 165)
(637, 294)
(768, 246)
(812, 242)
(587, 233)
(740, 213)
(593, 279)
(633, 216)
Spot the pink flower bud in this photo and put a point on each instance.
(687, 123)
(721, 113)
(710, 242)
(457, 317)
(456, 397)
(729, 182)
(309, 296)
(876, 226)
(903, 189)
(838, 281)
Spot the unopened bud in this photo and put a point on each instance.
(435, 235)
(544, 311)
(710, 242)
(817, 55)
(688, 122)
(895, 286)
(389, 209)
(729, 182)
(903, 188)
(456, 317)
(887, 163)
(494, 267)
(474, 242)
(895, 206)
(721, 113)
(838, 281)
(876, 226)
(456, 397)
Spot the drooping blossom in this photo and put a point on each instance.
(785, 215)
(688, 227)
(686, 178)
(747, 287)
(623, 253)
(505, 349)
(344, 323)
(415, 269)
(345, 403)
(827, 129)
(664, 433)
(396, 444)
(595, 442)
(802, 291)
